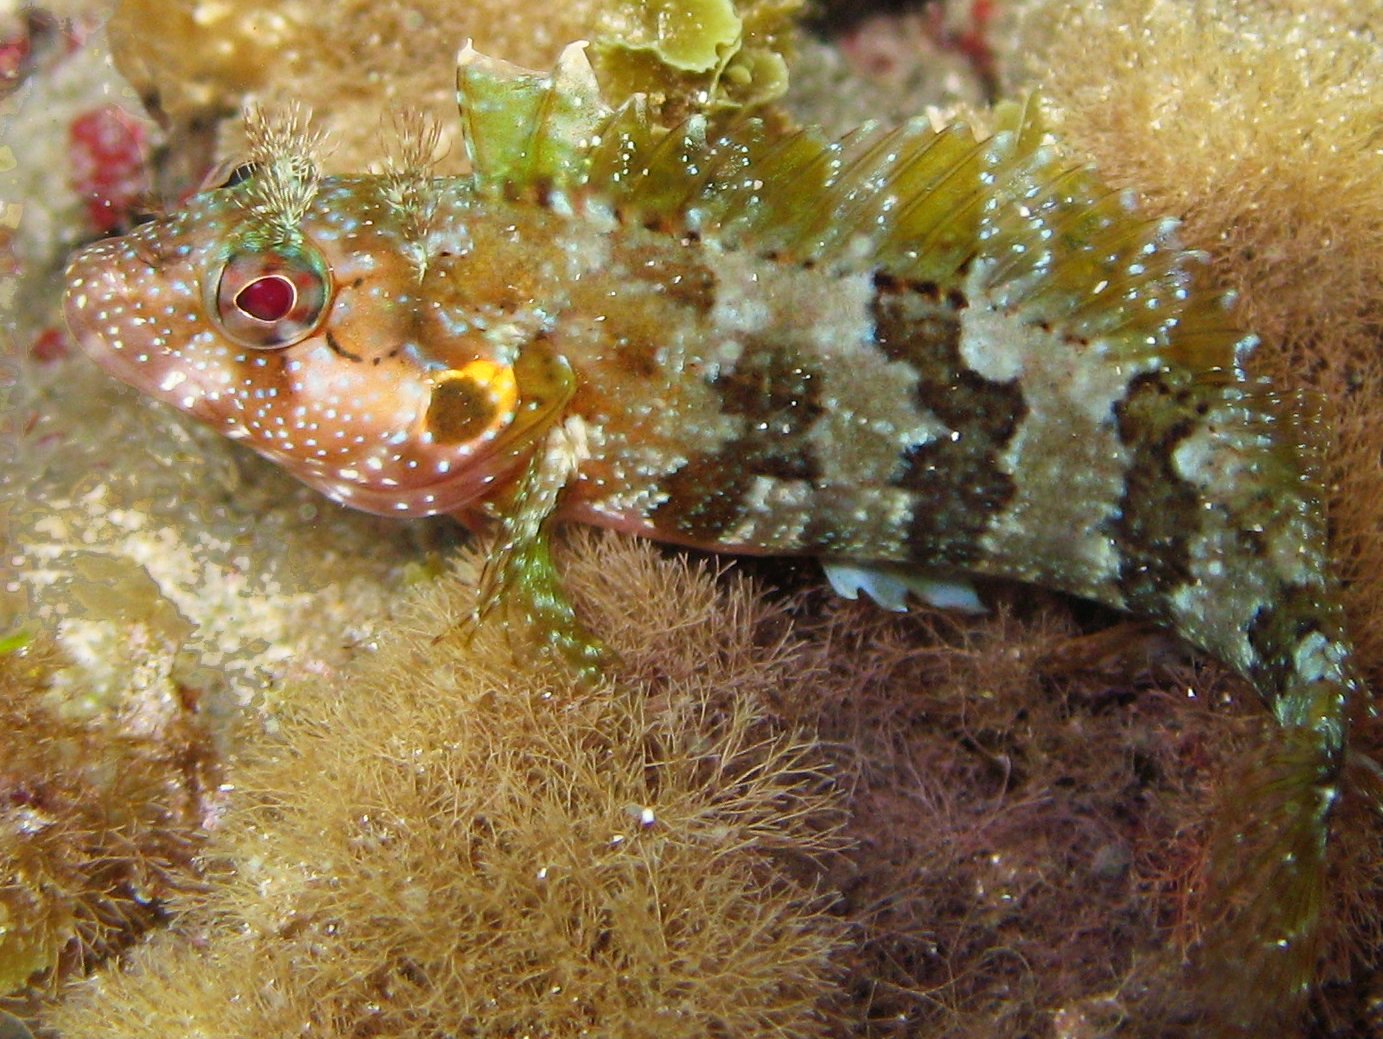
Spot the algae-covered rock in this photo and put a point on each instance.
(454, 839)
(1029, 792)
(356, 61)
(100, 819)
(706, 54)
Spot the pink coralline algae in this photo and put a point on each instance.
(108, 150)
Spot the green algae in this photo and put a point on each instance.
(693, 36)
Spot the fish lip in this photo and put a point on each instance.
(449, 494)
(100, 297)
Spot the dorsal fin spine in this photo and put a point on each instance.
(615, 145)
(869, 210)
(1102, 259)
(963, 150)
(959, 200)
(1092, 309)
(811, 180)
(873, 200)
(858, 161)
(779, 163)
(720, 203)
(912, 182)
(1039, 202)
(523, 130)
(538, 145)
(725, 161)
(669, 196)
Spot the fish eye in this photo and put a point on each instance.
(271, 298)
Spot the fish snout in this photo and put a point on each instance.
(94, 300)
(132, 325)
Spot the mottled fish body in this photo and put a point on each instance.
(909, 347)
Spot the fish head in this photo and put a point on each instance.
(329, 346)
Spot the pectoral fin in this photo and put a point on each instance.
(520, 575)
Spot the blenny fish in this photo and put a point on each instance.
(916, 353)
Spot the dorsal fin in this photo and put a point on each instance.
(1006, 216)
(526, 129)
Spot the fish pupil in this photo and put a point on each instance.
(270, 298)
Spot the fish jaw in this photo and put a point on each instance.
(363, 408)
(113, 322)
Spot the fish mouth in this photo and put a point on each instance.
(101, 311)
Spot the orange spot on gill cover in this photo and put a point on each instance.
(476, 400)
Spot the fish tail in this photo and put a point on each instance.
(1269, 856)
(1241, 480)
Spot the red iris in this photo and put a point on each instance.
(270, 298)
